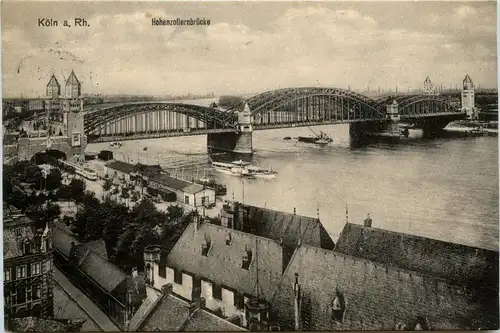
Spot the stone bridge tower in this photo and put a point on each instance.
(72, 108)
(468, 98)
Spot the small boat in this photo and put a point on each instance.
(321, 139)
(287, 138)
(115, 144)
(258, 172)
(219, 189)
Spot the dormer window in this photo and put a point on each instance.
(27, 247)
(205, 246)
(228, 239)
(421, 324)
(247, 258)
(338, 307)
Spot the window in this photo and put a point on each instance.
(6, 275)
(27, 247)
(186, 200)
(217, 291)
(35, 268)
(21, 272)
(28, 293)
(162, 271)
(178, 276)
(21, 295)
(18, 232)
(37, 292)
(6, 298)
(247, 259)
(239, 301)
(338, 307)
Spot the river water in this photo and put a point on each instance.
(444, 188)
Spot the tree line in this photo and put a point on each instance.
(125, 231)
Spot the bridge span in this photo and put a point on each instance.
(230, 129)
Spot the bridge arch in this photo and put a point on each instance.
(43, 156)
(97, 121)
(417, 106)
(313, 104)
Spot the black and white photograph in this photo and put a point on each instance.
(250, 166)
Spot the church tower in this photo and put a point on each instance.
(53, 90)
(468, 98)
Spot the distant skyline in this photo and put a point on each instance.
(248, 47)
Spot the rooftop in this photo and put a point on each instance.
(376, 296)
(72, 79)
(455, 262)
(33, 324)
(101, 271)
(172, 313)
(283, 226)
(176, 183)
(53, 81)
(121, 166)
(223, 263)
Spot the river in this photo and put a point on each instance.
(444, 188)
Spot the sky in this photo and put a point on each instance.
(249, 47)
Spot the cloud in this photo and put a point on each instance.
(124, 53)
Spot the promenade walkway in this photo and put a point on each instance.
(85, 303)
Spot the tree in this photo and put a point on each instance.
(108, 183)
(54, 179)
(125, 194)
(77, 188)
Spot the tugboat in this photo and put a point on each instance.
(318, 139)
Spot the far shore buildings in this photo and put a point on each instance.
(266, 270)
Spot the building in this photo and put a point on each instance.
(429, 87)
(119, 170)
(117, 294)
(28, 267)
(468, 98)
(283, 227)
(169, 312)
(187, 193)
(36, 105)
(224, 266)
(376, 279)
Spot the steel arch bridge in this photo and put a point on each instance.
(288, 107)
(153, 117)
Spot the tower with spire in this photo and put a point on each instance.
(468, 98)
(73, 88)
(53, 89)
(428, 87)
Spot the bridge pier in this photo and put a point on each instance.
(433, 126)
(240, 141)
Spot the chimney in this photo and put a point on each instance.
(297, 302)
(167, 289)
(368, 221)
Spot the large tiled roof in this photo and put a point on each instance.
(223, 265)
(455, 262)
(104, 273)
(288, 227)
(121, 166)
(12, 242)
(169, 315)
(176, 183)
(203, 320)
(376, 296)
(101, 271)
(34, 324)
